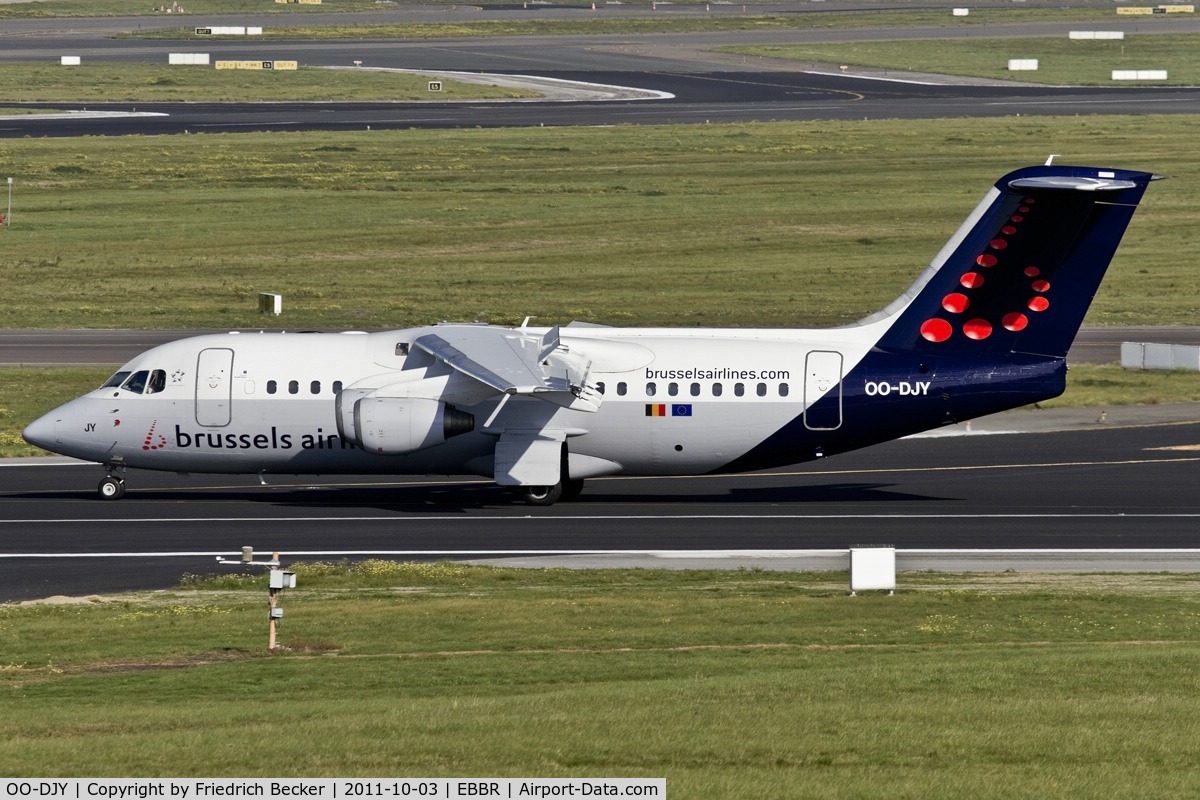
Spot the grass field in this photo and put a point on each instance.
(772, 224)
(672, 21)
(150, 83)
(729, 684)
(1061, 61)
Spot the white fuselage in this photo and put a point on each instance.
(674, 402)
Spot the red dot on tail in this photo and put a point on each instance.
(955, 302)
(936, 330)
(977, 329)
(1016, 321)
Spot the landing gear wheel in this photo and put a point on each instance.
(111, 488)
(541, 495)
(572, 489)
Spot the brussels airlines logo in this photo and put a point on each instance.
(265, 440)
(151, 436)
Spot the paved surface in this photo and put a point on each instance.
(1067, 484)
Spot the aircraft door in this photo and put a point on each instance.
(823, 382)
(214, 386)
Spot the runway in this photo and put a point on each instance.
(1086, 486)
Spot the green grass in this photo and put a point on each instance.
(729, 684)
(673, 21)
(783, 224)
(145, 83)
(1060, 60)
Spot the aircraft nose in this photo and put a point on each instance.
(41, 432)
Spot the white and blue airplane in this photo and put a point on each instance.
(985, 327)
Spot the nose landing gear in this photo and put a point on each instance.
(112, 487)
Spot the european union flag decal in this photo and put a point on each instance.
(681, 410)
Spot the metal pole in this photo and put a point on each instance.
(8, 216)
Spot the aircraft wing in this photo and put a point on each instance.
(512, 361)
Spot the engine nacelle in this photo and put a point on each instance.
(395, 426)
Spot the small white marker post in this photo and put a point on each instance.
(278, 580)
(8, 216)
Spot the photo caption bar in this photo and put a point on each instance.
(327, 788)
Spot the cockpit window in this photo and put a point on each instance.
(158, 381)
(116, 380)
(136, 382)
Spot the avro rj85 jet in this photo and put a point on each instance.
(985, 327)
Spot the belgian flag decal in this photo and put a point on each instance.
(673, 410)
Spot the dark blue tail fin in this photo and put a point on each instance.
(1020, 273)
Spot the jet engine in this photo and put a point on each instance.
(395, 426)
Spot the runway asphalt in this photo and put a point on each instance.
(1067, 482)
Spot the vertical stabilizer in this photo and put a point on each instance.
(1020, 273)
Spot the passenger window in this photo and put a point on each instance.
(783, 390)
(600, 387)
(651, 389)
(136, 382)
(293, 387)
(315, 387)
(739, 389)
(158, 381)
(622, 388)
(672, 389)
(695, 390)
(337, 386)
(272, 387)
(762, 390)
(717, 390)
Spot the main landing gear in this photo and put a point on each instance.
(112, 487)
(549, 495)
